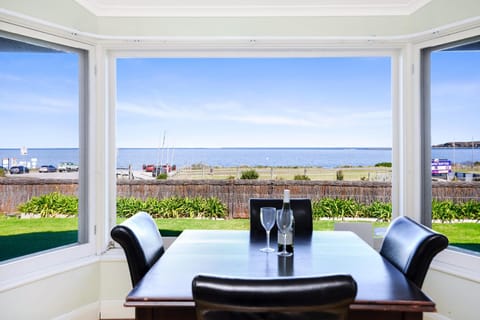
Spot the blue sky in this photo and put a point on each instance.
(227, 102)
(38, 100)
(455, 96)
(254, 102)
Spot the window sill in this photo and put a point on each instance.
(459, 264)
(29, 269)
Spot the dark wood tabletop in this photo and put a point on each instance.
(382, 289)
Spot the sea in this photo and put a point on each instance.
(233, 157)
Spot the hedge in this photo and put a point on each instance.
(53, 204)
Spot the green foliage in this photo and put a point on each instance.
(301, 177)
(51, 205)
(444, 211)
(334, 208)
(127, 207)
(174, 207)
(382, 211)
(162, 176)
(2, 172)
(249, 174)
(384, 164)
(447, 211)
(339, 174)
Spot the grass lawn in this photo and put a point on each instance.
(20, 237)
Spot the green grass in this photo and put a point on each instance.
(463, 235)
(19, 237)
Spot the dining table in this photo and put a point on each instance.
(165, 292)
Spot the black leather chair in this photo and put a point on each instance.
(302, 212)
(319, 298)
(142, 243)
(411, 247)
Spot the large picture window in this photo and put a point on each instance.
(281, 119)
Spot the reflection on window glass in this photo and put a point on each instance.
(39, 148)
(233, 119)
(455, 101)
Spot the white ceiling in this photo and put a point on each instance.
(198, 8)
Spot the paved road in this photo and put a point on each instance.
(138, 175)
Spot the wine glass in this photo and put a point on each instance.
(267, 218)
(284, 223)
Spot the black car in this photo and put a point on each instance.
(19, 169)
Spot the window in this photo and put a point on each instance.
(42, 105)
(321, 118)
(452, 83)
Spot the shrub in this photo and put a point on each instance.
(173, 207)
(2, 172)
(334, 208)
(51, 205)
(127, 207)
(301, 177)
(339, 174)
(249, 174)
(384, 164)
(162, 176)
(380, 210)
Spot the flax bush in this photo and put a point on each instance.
(174, 207)
(249, 174)
(51, 205)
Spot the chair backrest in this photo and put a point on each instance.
(322, 297)
(411, 247)
(302, 212)
(362, 229)
(142, 243)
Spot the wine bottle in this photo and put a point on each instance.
(290, 233)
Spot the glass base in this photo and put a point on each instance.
(285, 254)
(267, 249)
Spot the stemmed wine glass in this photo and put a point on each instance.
(267, 218)
(284, 223)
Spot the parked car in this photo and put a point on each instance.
(148, 167)
(19, 170)
(67, 166)
(48, 168)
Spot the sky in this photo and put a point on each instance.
(234, 102)
(254, 102)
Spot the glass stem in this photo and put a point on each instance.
(285, 243)
(268, 239)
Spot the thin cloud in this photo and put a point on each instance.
(456, 88)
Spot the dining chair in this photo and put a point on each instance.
(302, 213)
(142, 243)
(411, 247)
(292, 298)
(362, 229)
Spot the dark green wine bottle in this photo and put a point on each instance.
(290, 233)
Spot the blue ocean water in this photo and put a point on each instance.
(231, 157)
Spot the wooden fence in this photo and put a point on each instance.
(234, 193)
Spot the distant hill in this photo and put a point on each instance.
(459, 144)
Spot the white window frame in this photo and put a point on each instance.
(451, 261)
(21, 270)
(259, 49)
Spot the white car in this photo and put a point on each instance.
(67, 166)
